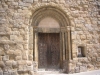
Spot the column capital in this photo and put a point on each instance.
(35, 29)
(63, 29)
(68, 28)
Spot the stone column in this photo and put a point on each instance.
(63, 42)
(69, 47)
(36, 47)
(69, 41)
(62, 46)
(33, 45)
(66, 45)
(61, 57)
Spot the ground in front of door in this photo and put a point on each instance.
(95, 72)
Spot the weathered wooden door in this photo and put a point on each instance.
(49, 50)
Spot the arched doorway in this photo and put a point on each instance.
(51, 38)
(49, 51)
(49, 44)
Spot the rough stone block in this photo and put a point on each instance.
(35, 0)
(20, 68)
(89, 36)
(0, 58)
(13, 37)
(26, 37)
(6, 57)
(83, 68)
(73, 36)
(89, 26)
(2, 53)
(80, 32)
(35, 66)
(11, 0)
(31, 46)
(77, 70)
(12, 47)
(20, 38)
(21, 3)
(44, 0)
(1, 72)
(6, 47)
(31, 73)
(21, 62)
(14, 73)
(5, 38)
(8, 29)
(18, 57)
(14, 64)
(20, 46)
(83, 37)
(30, 57)
(19, 11)
(78, 64)
(16, 15)
(25, 46)
(2, 64)
(10, 52)
(98, 59)
(15, 33)
(29, 68)
(99, 22)
(3, 20)
(17, 52)
(26, 5)
(24, 57)
(5, 73)
(93, 59)
(22, 31)
(25, 68)
(15, 3)
(29, 63)
(8, 63)
(28, 1)
(90, 67)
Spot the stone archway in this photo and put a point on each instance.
(48, 44)
(63, 29)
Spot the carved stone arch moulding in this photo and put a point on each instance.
(65, 30)
(50, 11)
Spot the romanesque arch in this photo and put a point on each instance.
(63, 29)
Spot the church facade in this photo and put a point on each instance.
(61, 35)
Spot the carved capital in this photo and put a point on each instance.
(35, 28)
(68, 28)
(63, 29)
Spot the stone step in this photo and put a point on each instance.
(95, 72)
(49, 73)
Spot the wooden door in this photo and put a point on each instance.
(49, 50)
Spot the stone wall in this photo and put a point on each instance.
(16, 54)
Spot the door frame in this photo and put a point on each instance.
(65, 49)
(63, 19)
(58, 50)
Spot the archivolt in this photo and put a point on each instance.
(50, 11)
(65, 31)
